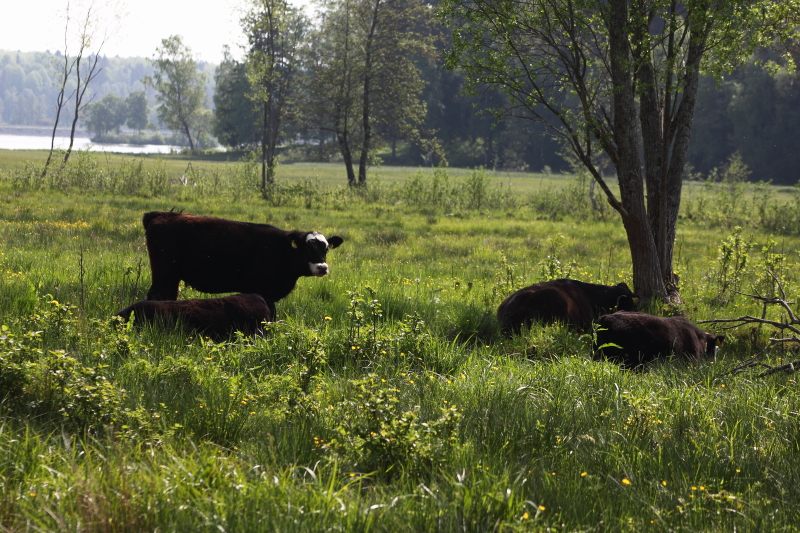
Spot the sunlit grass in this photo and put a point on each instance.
(221, 436)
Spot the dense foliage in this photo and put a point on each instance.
(750, 113)
(385, 394)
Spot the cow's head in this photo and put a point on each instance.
(626, 299)
(713, 344)
(313, 247)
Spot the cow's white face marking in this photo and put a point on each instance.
(318, 269)
(317, 243)
(315, 236)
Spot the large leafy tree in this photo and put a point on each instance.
(138, 115)
(365, 82)
(275, 31)
(181, 89)
(109, 114)
(236, 117)
(617, 76)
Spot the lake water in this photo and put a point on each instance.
(38, 142)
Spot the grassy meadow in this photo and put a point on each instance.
(385, 398)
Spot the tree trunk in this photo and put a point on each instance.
(269, 141)
(344, 147)
(77, 110)
(188, 136)
(59, 107)
(666, 121)
(271, 150)
(342, 110)
(488, 151)
(275, 112)
(366, 122)
(681, 129)
(264, 153)
(60, 103)
(646, 269)
(655, 124)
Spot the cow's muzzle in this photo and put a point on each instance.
(318, 269)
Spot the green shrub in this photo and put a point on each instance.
(52, 384)
(376, 434)
(731, 264)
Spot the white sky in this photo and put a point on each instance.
(38, 25)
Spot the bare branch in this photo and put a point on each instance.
(793, 337)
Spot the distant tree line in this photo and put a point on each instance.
(752, 114)
(28, 84)
(418, 119)
(111, 112)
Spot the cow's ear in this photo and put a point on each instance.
(335, 242)
(623, 285)
(294, 238)
(719, 340)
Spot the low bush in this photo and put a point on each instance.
(376, 434)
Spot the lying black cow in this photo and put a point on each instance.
(563, 300)
(216, 317)
(217, 255)
(644, 338)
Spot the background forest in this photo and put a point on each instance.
(750, 112)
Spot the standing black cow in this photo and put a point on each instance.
(217, 255)
(216, 317)
(643, 338)
(563, 300)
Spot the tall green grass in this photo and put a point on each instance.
(385, 397)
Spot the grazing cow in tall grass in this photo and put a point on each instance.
(563, 300)
(216, 255)
(641, 338)
(216, 317)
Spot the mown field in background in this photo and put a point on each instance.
(385, 398)
(328, 174)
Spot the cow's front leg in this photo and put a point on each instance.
(164, 287)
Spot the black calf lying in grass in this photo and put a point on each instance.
(643, 338)
(216, 317)
(563, 300)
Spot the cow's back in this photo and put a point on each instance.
(546, 302)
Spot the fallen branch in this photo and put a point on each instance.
(792, 327)
(788, 368)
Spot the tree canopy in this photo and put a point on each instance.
(236, 117)
(276, 34)
(181, 89)
(365, 83)
(138, 115)
(107, 115)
